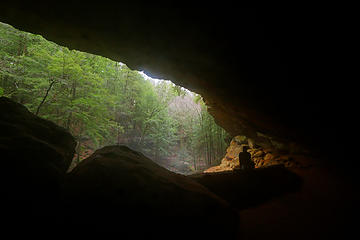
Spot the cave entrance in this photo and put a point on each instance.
(103, 102)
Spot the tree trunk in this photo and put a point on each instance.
(126, 82)
(68, 121)
(44, 98)
(118, 134)
(157, 150)
(194, 162)
(72, 96)
(78, 147)
(78, 151)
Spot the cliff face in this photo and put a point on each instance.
(262, 157)
(35, 154)
(45, 146)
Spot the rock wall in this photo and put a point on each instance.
(35, 154)
(262, 157)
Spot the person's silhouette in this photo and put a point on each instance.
(245, 159)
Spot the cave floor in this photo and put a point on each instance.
(293, 203)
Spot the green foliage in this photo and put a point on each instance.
(104, 102)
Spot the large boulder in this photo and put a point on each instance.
(18, 126)
(120, 191)
(35, 154)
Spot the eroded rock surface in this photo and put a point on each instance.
(23, 134)
(35, 154)
(262, 157)
(117, 190)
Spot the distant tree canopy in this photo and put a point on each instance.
(103, 102)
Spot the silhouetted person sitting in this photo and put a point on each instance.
(245, 159)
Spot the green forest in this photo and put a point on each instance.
(103, 102)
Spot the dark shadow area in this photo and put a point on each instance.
(252, 187)
(324, 208)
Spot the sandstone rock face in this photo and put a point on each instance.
(121, 191)
(42, 142)
(35, 154)
(261, 157)
(231, 159)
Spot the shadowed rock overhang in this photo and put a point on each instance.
(255, 68)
